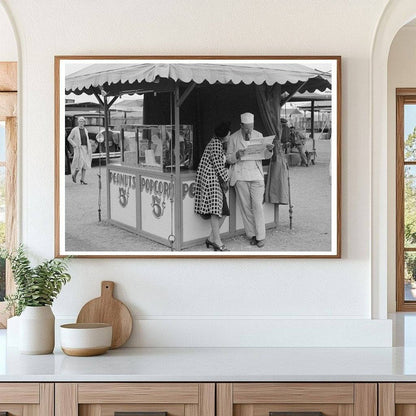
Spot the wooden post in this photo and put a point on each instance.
(106, 115)
(122, 143)
(107, 155)
(177, 186)
(312, 119)
(136, 138)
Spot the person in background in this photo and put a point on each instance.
(211, 184)
(297, 141)
(277, 185)
(186, 156)
(248, 178)
(81, 161)
(157, 146)
(285, 135)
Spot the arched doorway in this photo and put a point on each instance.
(396, 14)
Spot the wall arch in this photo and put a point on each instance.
(9, 47)
(396, 14)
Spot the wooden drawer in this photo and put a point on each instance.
(397, 399)
(27, 399)
(104, 399)
(332, 399)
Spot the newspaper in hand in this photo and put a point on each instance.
(257, 149)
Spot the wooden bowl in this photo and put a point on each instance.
(84, 340)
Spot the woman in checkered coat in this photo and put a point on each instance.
(211, 183)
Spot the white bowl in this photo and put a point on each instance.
(83, 340)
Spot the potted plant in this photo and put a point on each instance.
(36, 289)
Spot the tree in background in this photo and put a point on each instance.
(2, 238)
(410, 206)
(2, 211)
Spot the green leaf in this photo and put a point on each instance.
(35, 286)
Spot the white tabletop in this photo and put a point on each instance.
(213, 365)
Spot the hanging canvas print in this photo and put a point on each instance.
(198, 157)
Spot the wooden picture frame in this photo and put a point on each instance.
(141, 205)
(404, 96)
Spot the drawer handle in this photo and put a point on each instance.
(296, 414)
(139, 414)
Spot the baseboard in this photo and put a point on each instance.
(249, 332)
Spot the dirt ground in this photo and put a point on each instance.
(311, 231)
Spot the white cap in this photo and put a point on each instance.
(247, 118)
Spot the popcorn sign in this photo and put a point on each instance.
(161, 192)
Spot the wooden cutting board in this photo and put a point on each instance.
(107, 309)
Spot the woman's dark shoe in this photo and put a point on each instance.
(255, 242)
(219, 248)
(208, 243)
(83, 183)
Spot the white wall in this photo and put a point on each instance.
(8, 46)
(179, 302)
(401, 74)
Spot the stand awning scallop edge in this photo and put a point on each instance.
(115, 78)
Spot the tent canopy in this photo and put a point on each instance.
(223, 91)
(122, 77)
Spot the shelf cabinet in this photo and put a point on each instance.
(207, 399)
(27, 399)
(144, 399)
(297, 399)
(397, 399)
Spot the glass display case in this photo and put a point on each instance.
(153, 146)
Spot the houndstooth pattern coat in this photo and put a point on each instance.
(208, 193)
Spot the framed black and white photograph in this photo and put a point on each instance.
(198, 156)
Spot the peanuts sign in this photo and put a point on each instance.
(125, 182)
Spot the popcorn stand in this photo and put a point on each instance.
(150, 189)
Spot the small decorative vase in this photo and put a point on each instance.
(13, 331)
(37, 330)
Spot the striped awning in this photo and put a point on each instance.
(119, 77)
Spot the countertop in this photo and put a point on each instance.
(213, 365)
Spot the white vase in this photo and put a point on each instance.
(13, 331)
(37, 330)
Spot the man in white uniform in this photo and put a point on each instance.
(248, 179)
